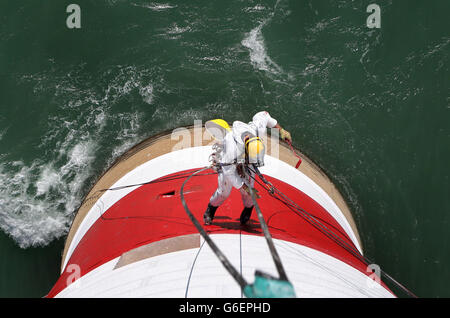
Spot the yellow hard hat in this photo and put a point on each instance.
(217, 128)
(254, 149)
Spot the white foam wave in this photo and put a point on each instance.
(129, 136)
(155, 6)
(255, 43)
(2, 133)
(147, 93)
(38, 199)
(174, 29)
(259, 58)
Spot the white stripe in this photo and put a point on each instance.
(312, 273)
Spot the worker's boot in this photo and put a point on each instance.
(209, 214)
(245, 215)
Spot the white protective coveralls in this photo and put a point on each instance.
(233, 149)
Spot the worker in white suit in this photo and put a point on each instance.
(239, 146)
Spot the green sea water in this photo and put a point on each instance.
(369, 105)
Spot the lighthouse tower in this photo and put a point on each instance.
(132, 237)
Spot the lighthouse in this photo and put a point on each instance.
(132, 235)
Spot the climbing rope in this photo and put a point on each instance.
(162, 179)
(222, 258)
(265, 229)
(98, 193)
(265, 285)
(274, 192)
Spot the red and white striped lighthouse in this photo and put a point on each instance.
(136, 240)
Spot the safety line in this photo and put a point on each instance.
(313, 220)
(222, 258)
(322, 228)
(162, 179)
(192, 269)
(264, 227)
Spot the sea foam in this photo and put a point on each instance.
(38, 197)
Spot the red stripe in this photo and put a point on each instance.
(154, 212)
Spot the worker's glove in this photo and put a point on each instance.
(285, 135)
